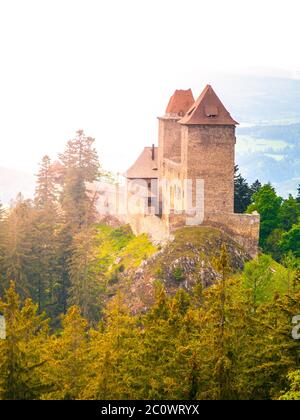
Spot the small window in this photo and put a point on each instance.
(211, 111)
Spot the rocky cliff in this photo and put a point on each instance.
(185, 262)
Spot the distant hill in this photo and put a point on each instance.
(12, 182)
(268, 141)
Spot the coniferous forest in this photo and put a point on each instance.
(71, 334)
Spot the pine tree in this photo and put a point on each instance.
(113, 349)
(68, 357)
(242, 193)
(298, 194)
(272, 352)
(293, 393)
(81, 154)
(45, 193)
(255, 187)
(75, 201)
(21, 353)
(18, 261)
(81, 165)
(86, 284)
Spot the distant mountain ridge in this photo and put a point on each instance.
(12, 182)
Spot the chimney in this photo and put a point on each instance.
(153, 152)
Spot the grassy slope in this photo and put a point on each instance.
(181, 262)
(119, 250)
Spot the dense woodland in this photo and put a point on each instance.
(69, 337)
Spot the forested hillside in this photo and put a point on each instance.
(94, 312)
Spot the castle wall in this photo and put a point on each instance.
(208, 153)
(152, 225)
(169, 139)
(243, 228)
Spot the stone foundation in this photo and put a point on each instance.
(243, 228)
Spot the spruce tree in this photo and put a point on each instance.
(255, 187)
(45, 193)
(68, 353)
(242, 193)
(298, 194)
(21, 353)
(86, 284)
(81, 165)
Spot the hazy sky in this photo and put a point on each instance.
(109, 67)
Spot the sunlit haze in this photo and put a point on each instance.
(109, 67)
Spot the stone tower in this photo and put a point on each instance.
(196, 142)
(207, 150)
(169, 135)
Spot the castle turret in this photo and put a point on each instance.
(207, 150)
(169, 138)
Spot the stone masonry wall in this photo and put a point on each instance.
(169, 139)
(243, 228)
(208, 153)
(157, 230)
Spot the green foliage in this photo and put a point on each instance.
(291, 241)
(264, 277)
(178, 274)
(289, 213)
(86, 285)
(294, 387)
(120, 248)
(21, 353)
(279, 229)
(268, 205)
(243, 192)
(228, 341)
(225, 347)
(66, 369)
(46, 192)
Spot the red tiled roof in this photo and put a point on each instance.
(208, 110)
(144, 166)
(180, 102)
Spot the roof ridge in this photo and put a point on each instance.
(208, 110)
(180, 102)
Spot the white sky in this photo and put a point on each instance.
(109, 67)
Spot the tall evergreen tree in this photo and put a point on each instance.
(86, 284)
(81, 154)
(45, 193)
(255, 187)
(67, 354)
(81, 165)
(21, 353)
(298, 194)
(242, 192)
(18, 262)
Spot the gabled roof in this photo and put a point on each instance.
(144, 166)
(180, 102)
(208, 110)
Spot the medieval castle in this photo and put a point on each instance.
(196, 142)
